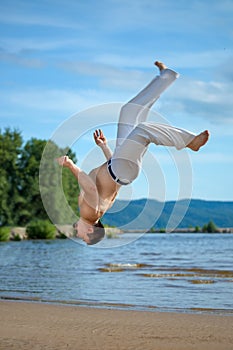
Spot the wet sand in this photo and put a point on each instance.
(35, 326)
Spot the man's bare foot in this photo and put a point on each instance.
(199, 141)
(160, 65)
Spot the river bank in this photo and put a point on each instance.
(111, 232)
(26, 326)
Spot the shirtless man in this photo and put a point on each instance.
(99, 188)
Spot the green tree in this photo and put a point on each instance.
(4, 234)
(20, 169)
(31, 206)
(38, 165)
(11, 146)
(59, 188)
(210, 227)
(41, 229)
(197, 229)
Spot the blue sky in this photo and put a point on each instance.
(61, 57)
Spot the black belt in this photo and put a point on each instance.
(113, 175)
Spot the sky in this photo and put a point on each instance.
(60, 58)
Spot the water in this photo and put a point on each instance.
(176, 272)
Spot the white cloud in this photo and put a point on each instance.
(26, 15)
(211, 100)
(109, 76)
(23, 44)
(216, 60)
(205, 59)
(21, 60)
(48, 100)
(213, 158)
(54, 101)
(188, 97)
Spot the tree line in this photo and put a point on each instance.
(20, 195)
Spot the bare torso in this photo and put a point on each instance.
(107, 192)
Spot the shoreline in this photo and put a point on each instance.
(120, 306)
(27, 325)
(66, 231)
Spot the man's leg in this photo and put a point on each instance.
(137, 109)
(167, 135)
(127, 158)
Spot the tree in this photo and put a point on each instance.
(210, 227)
(41, 229)
(20, 170)
(197, 229)
(58, 187)
(31, 206)
(11, 145)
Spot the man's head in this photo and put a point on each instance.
(91, 234)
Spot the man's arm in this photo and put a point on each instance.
(101, 141)
(84, 180)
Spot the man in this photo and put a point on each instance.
(100, 187)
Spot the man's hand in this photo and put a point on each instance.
(64, 161)
(99, 138)
(101, 141)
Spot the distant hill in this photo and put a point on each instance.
(158, 214)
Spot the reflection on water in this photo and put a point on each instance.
(179, 272)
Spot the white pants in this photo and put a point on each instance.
(134, 134)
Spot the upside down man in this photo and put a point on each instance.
(99, 188)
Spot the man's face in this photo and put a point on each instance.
(83, 229)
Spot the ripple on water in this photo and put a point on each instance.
(193, 275)
(120, 267)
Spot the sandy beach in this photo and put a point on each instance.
(34, 326)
